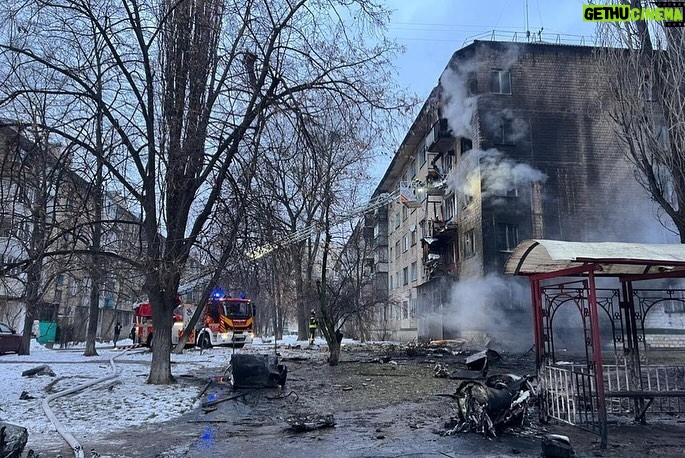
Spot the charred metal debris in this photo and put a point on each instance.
(487, 405)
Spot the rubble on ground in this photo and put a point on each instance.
(301, 423)
(257, 371)
(13, 439)
(556, 446)
(43, 369)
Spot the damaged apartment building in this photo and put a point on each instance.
(512, 144)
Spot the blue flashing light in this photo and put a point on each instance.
(242, 296)
(217, 293)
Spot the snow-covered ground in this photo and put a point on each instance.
(108, 406)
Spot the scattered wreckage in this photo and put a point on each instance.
(490, 406)
(487, 405)
(13, 439)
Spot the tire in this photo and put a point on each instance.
(204, 342)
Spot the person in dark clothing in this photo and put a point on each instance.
(117, 331)
(313, 324)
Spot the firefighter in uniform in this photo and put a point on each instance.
(313, 324)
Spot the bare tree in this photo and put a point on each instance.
(33, 186)
(185, 90)
(643, 68)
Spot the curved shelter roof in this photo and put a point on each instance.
(541, 256)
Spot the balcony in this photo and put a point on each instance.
(439, 139)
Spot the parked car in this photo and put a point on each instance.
(9, 339)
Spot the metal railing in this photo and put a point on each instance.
(523, 36)
(570, 396)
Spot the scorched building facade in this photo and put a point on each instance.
(513, 143)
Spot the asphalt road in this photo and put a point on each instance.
(380, 410)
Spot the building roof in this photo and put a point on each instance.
(615, 258)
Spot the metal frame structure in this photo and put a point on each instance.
(582, 394)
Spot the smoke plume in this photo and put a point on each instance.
(494, 305)
(458, 106)
(497, 173)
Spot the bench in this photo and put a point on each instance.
(645, 396)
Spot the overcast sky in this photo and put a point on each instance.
(432, 30)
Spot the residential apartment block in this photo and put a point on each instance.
(513, 143)
(46, 215)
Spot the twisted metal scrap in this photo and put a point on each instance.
(490, 406)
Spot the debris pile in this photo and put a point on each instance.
(301, 423)
(557, 446)
(477, 366)
(13, 439)
(257, 371)
(490, 406)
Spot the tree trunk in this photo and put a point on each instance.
(96, 272)
(162, 319)
(93, 312)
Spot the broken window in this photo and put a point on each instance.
(504, 132)
(472, 84)
(469, 244)
(507, 236)
(465, 145)
(507, 189)
(500, 81)
(449, 207)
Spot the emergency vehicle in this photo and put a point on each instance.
(227, 321)
(182, 315)
(142, 326)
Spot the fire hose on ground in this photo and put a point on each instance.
(70, 439)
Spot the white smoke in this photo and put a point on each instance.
(497, 173)
(517, 128)
(494, 305)
(458, 107)
(510, 56)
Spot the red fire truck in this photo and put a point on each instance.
(142, 327)
(227, 321)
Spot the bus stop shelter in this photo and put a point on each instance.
(614, 376)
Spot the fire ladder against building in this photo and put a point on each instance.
(410, 194)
